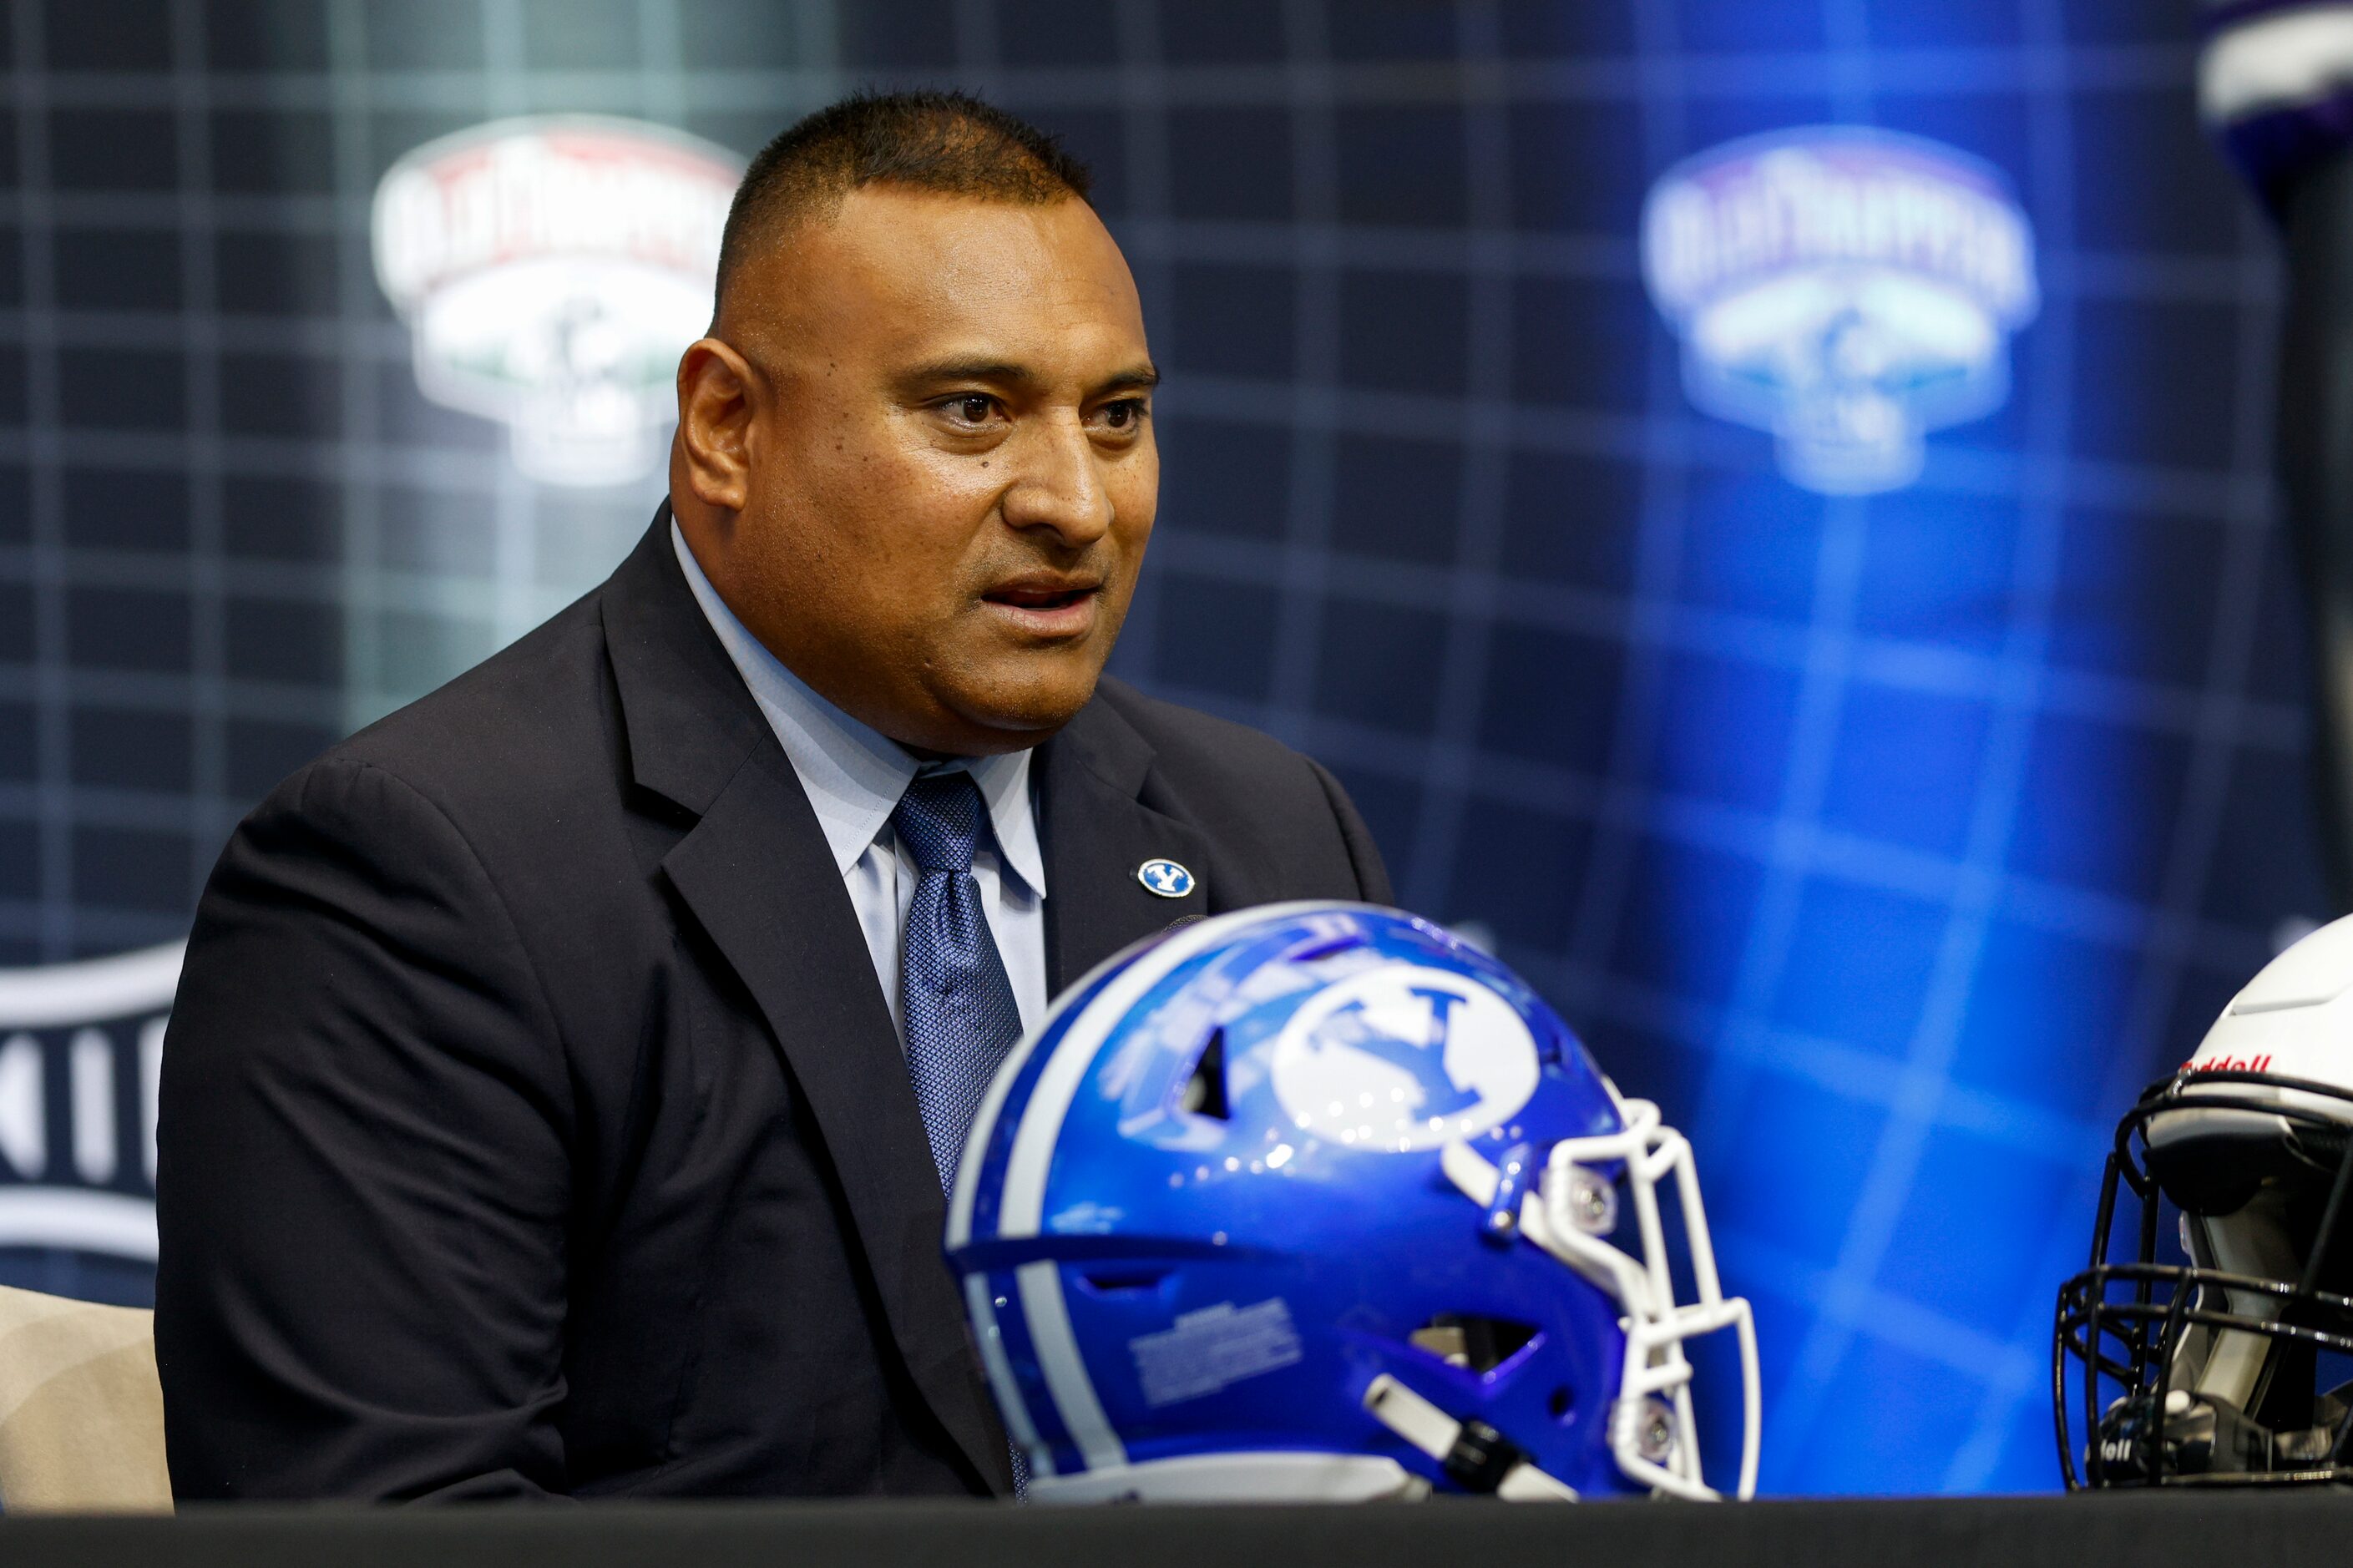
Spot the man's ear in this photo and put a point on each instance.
(716, 390)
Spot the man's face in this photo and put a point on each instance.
(947, 474)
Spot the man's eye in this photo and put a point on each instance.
(1123, 416)
(972, 410)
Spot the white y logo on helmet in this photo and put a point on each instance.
(1404, 1057)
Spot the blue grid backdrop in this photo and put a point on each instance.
(1891, 843)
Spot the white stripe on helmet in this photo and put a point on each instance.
(982, 1303)
(1040, 1286)
(1022, 1205)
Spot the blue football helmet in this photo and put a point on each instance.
(1316, 1201)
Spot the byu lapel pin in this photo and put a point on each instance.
(1164, 877)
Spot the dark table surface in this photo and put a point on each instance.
(2221, 1530)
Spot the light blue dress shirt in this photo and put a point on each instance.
(854, 777)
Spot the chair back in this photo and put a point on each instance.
(82, 1411)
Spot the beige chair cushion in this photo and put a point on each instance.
(81, 1414)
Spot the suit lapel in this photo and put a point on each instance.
(1097, 835)
(757, 875)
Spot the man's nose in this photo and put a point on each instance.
(1061, 485)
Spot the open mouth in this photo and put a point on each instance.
(1056, 605)
(1039, 598)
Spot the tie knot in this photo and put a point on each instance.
(938, 820)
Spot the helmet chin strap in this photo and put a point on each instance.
(1472, 1453)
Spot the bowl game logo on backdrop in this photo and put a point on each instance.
(550, 271)
(80, 1046)
(1847, 289)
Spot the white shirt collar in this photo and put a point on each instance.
(854, 774)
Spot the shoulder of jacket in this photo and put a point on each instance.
(1181, 733)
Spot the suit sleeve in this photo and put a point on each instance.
(1364, 855)
(363, 1170)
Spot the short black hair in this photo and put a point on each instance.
(947, 142)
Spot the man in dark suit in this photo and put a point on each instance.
(566, 1069)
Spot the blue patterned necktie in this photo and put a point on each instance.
(953, 994)
(953, 997)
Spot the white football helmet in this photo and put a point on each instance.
(2230, 1366)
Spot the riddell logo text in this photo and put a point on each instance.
(2230, 1064)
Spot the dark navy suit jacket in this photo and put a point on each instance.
(533, 1122)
